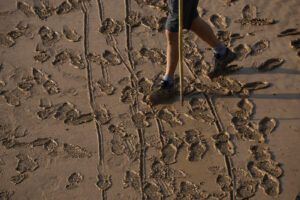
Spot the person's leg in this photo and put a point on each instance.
(205, 32)
(172, 52)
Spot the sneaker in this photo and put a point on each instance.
(220, 62)
(165, 92)
(223, 61)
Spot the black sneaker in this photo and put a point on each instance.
(165, 92)
(220, 62)
(223, 61)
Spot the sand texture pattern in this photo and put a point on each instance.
(74, 117)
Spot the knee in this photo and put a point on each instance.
(172, 37)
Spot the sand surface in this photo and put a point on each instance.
(74, 123)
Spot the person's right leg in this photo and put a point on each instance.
(172, 52)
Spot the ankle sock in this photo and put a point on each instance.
(169, 78)
(220, 49)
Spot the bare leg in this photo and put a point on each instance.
(172, 52)
(204, 31)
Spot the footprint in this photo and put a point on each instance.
(18, 179)
(104, 182)
(192, 136)
(139, 120)
(76, 151)
(74, 180)
(95, 58)
(295, 44)
(111, 58)
(127, 95)
(6, 195)
(26, 83)
(153, 23)
(169, 137)
(224, 37)
(48, 36)
(61, 58)
(225, 183)
(223, 144)
(246, 185)
(271, 185)
(81, 119)
(260, 152)
(47, 112)
(133, 19)
(39, 76)
(259, 47)
(66, 112)
(162, 172)
(232, 85)
(154, 55)
(188, 190)
(51, 87)
(117, 146)
(77, 60)
(270, 64)
(247, 106)
(267, 125)
(256, 21)
(133, 180)
(105, 87)
(102, 115)
(71, 35)
(15, 34)
(257, 85)
(44, 11)
(6, 40)
(12, 97)
(230, 2)
(49, 144)
(26, 163)
(249, 12)
(169, 153)
(159, 4)
(25, 8)
(41, 56)
(289, 32)
(219, 21)
(242, 51)
(110, 26)
(11, 142)
(198, 103)
(169, 117)
(196, 151)
(249, 132)
(271, 167)
(136, 57)
(64, 8)
(145, 87)
(152, 191)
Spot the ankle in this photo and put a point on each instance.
(220, 49)
(169, 79)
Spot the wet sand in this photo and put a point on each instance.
(74, 122)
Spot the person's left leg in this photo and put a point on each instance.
(205, 32)
(222, 55)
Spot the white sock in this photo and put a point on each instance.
(220, 49)
(169, 78)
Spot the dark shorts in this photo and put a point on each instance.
(190, 12)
